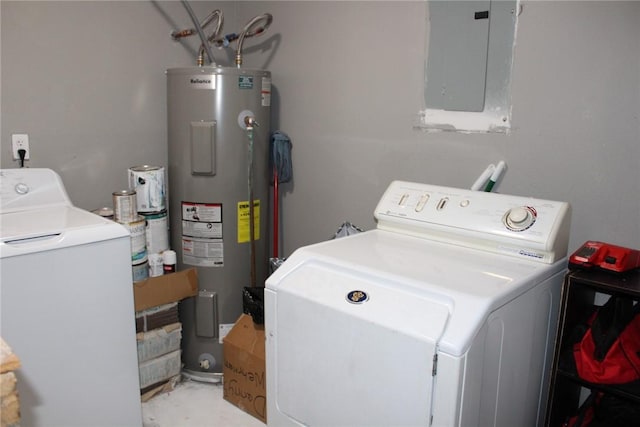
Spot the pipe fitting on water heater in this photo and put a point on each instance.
(247, 120)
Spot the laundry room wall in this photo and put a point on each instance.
(349, 80)
(86, 81)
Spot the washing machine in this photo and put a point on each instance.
(67, 308)
(444, 315)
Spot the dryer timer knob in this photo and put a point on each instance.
(520, 218)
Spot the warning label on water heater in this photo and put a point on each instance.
(202, 243)
(265, 92)
(244, 221)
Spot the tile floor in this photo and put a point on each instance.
(195, 404)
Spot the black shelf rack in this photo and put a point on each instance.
(577, 303)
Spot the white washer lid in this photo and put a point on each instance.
(470, 283)
(54, 227)
(31, 188)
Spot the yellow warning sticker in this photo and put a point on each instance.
(244, 221)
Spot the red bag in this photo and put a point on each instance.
(609, 352)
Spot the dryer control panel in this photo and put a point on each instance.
(525, 227)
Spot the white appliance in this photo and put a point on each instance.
(444, 315)
(66, 306)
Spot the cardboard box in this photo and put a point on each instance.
(165, 289)
(244, 367)
(158, 341)
(159, 369)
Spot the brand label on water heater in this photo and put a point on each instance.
(203, 82)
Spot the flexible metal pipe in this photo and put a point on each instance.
(267, 17)
(203, 38)
(216, 13)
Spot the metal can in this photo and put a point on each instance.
(105, 212)
(157, 231)
(124, 205)
(137, 229)
(149, 184)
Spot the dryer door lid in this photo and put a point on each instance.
(350, 351)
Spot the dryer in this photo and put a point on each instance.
(444, 315)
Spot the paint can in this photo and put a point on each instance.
(124, 206)
(137, 229)
(140, 270)
(105, 212)
(149, 184)
(157, 231)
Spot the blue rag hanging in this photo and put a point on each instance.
(280, 157)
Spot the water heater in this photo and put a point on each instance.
(218, 130)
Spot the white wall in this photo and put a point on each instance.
(350, 76)
(86, 81)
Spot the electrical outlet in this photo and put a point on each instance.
(20, 141)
